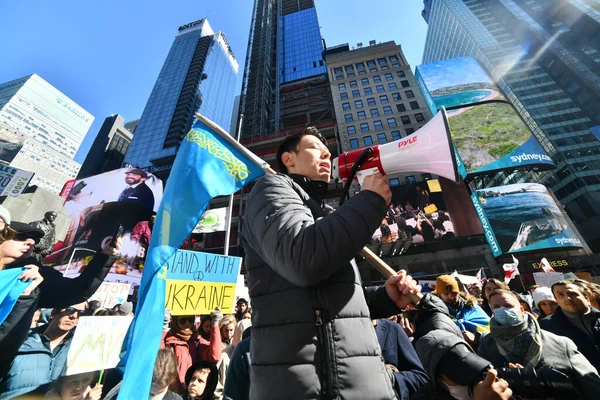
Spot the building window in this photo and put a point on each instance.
(358, 103)
(376, 79)
(343, 96)
(414, 105)
(409, 94)
(393, 58)
(374, 112)
(349, 68)
(351, 129)
(380, 88)
(382, 61)
(368, 91)
(396, 135)
(383, 99)
(392, 122)
(368, 140)
(361, 115)
(405, 84)
(341, 86)
(392, 86)
(395, 65)
(396, 96)
(339, 77)
(371, 63)
(400, 74)
(348, 117)
(409, 131)
(394, 182)
(401, 107)
(373, 70)
(355, 93)
(364, 127)
(378, 125)
(384, 67)
(381, 138)
(350, 75)
(360, 65)
(353, 84)
(419, 117)
(405, 119)
(364, 81)
(387, 110)
(410, 179)
(389, 77)
(346, 106)
(354, 143)
(337, 70)
(362, 72)
(371, 101)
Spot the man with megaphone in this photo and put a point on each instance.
(312, 335)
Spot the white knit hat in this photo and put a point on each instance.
(5, 214)
(541, 294)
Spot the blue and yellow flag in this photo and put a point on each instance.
(206, 166)
(11, 287)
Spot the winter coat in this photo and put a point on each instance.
(397, 350)
(114, 393)
(185, 351)
(559, 324)
(559, 353)
(312, 335)
(237, 385)
(211, 383)
(35, 365)
(432, 314)
(210, 350)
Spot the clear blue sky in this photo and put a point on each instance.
(106, 55)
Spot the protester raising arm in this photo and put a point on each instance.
(211, 350)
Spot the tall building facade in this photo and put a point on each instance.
(198, 76)
(545, 56)
(52, 125)
(109, 148)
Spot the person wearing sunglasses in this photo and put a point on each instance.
(42, 359)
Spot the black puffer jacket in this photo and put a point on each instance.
(312, 334)
(433, 314)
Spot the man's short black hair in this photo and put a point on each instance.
(291, 142)
(565, 283)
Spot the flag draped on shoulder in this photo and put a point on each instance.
(208, 164)
(11, 287)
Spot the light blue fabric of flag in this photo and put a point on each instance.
(11, 287)
(206, 166)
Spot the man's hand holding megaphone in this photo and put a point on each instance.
(379, 184)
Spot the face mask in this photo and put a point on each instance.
(506, 316)
(459, 392)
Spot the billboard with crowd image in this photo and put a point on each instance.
(96, 207)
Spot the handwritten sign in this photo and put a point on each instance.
(109, 294)
(97, 343)
(13, 181)
(547, 278)
(198, 282)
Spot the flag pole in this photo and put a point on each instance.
(368, 255)
(230, 207)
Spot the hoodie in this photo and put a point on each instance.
(211, 383)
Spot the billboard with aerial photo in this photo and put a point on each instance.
(522, 217)
(11, 142)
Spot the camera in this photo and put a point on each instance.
(538, 383)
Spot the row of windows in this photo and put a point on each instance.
(379, 88)
(371, 64)
(364, 127)
(414, 105)
(383, 98)
(381, 138)
(388, 76)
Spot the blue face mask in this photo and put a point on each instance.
(507, 316)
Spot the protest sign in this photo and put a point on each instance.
(13, 181)
(547, 278)
(198, 282)
(97, 343)
(109, 294)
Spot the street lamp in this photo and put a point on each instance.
(72, 254)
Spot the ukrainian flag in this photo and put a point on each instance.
(11, 287)
(207, 165)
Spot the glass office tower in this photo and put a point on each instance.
(545, 55)
(198, 75)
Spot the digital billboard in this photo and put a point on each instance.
(11, 142)
(522, 217)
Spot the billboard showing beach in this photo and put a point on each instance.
(457, 82)
(522, 217)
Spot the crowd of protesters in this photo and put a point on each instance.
(310, 330)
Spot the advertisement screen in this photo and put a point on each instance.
(418, 214)
(522, 217)
(11, 142)
(492, 136)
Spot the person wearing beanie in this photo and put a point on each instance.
(544, 300)
(464, 309)
(126, 309)
(516, 340)
(5, 219)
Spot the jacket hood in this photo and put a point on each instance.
(431, 303)
(315, 189)
(211, 384)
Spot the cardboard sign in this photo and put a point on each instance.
(109, 294)
(547, 278)
(198, 282)
(97, 343)
(13, 181)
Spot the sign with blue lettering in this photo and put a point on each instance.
(198, 282)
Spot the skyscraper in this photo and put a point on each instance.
(545, 56)
(199, 75)
(109, 148)
(52, 127)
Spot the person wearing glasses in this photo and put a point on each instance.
(42, 359)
